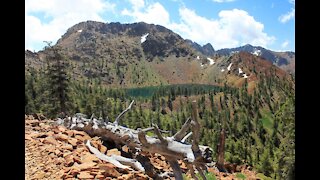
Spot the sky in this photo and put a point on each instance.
(223, 23)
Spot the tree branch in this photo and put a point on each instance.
(157, 132)
(195, 129)
(179, 135)
(116, 122)
(105, 157)
(176, 169)
(152, 129)
(186, 137)
(190, 167)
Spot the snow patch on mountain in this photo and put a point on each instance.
(240, 71)
(256, 52)
(229, 67)
(144, 38)
(211, 61)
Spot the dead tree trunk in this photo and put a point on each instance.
(172, 148)
(220, 150)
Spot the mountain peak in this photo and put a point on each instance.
(206, 49)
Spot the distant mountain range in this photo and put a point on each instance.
(141, 54)
(284, 60)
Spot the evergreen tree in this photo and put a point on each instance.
(58, 78)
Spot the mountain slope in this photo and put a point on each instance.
(206, 49)
(284, 60)
(140, 54)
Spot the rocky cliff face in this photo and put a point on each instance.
(206, 49)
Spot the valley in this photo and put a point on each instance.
(99, 68)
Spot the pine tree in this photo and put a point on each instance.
(58, 78)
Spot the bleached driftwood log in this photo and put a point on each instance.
(116, 160)
(173, 148)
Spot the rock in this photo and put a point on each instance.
(113, 151)
(183, 166)
(142, 176)
(212, 170)
(80, 138)
(50, 140)
(81, 150)
(66, 153)
(69, 160)
(110, 171)
(103, 149)
(32, 122)
(87, 165)
(50, 133)
(77, 159)
(73, 141)
(69, 133)
(82, 133)
(62, 129)
(46, 126)
(126, 177)
(125, 148)
(28, 137)
(230, 167)
(85, 175)
(89, 158)
(99, 176)
(67, 147)
(62, 137)
(57, 152)
(39, 116)
(106, 166)
(95, 144)
(158, 167)
(40, 175)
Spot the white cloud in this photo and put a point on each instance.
(233, 28)
(285, 44)
(286, 17)
(63, 14)
(289, 15)
(137, 4)
(153, 13)
(223, 1)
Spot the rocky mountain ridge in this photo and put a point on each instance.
(140, 54)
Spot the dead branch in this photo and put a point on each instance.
(105, 157)
(195, 129)
(173, 148)
(176, 169)
(116, 122)
(186, 137)
(179, 135)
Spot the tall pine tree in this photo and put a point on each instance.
(58, 79)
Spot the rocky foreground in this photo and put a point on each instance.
(54, 152)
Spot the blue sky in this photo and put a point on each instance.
(223, 23)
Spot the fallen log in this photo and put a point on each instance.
(173, 148)
(116, 160)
